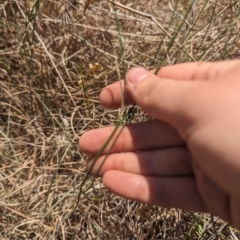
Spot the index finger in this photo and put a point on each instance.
(112, 95)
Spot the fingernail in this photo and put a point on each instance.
(137, 74)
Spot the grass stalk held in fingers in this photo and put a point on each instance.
(120, 124)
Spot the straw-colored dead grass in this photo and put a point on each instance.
(49, 96)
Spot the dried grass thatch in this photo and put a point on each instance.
(49, 96)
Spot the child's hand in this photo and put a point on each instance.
(189, 156)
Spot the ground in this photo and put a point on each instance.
(55, 57)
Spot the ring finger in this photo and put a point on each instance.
(162, 162)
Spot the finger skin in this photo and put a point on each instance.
(204, 110)
(215, 148)
(111, 96)
(162, 162)
(175, 102)
(178, 192)
(212, 195)
(185, 105)
(234, 208)
(197, 70)
(133, 137)
(198, 111)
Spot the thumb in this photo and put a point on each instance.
(176, 102)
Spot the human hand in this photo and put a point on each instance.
(189, 156)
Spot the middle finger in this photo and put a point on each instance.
(133, 137)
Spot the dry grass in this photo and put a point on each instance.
(49, 96)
